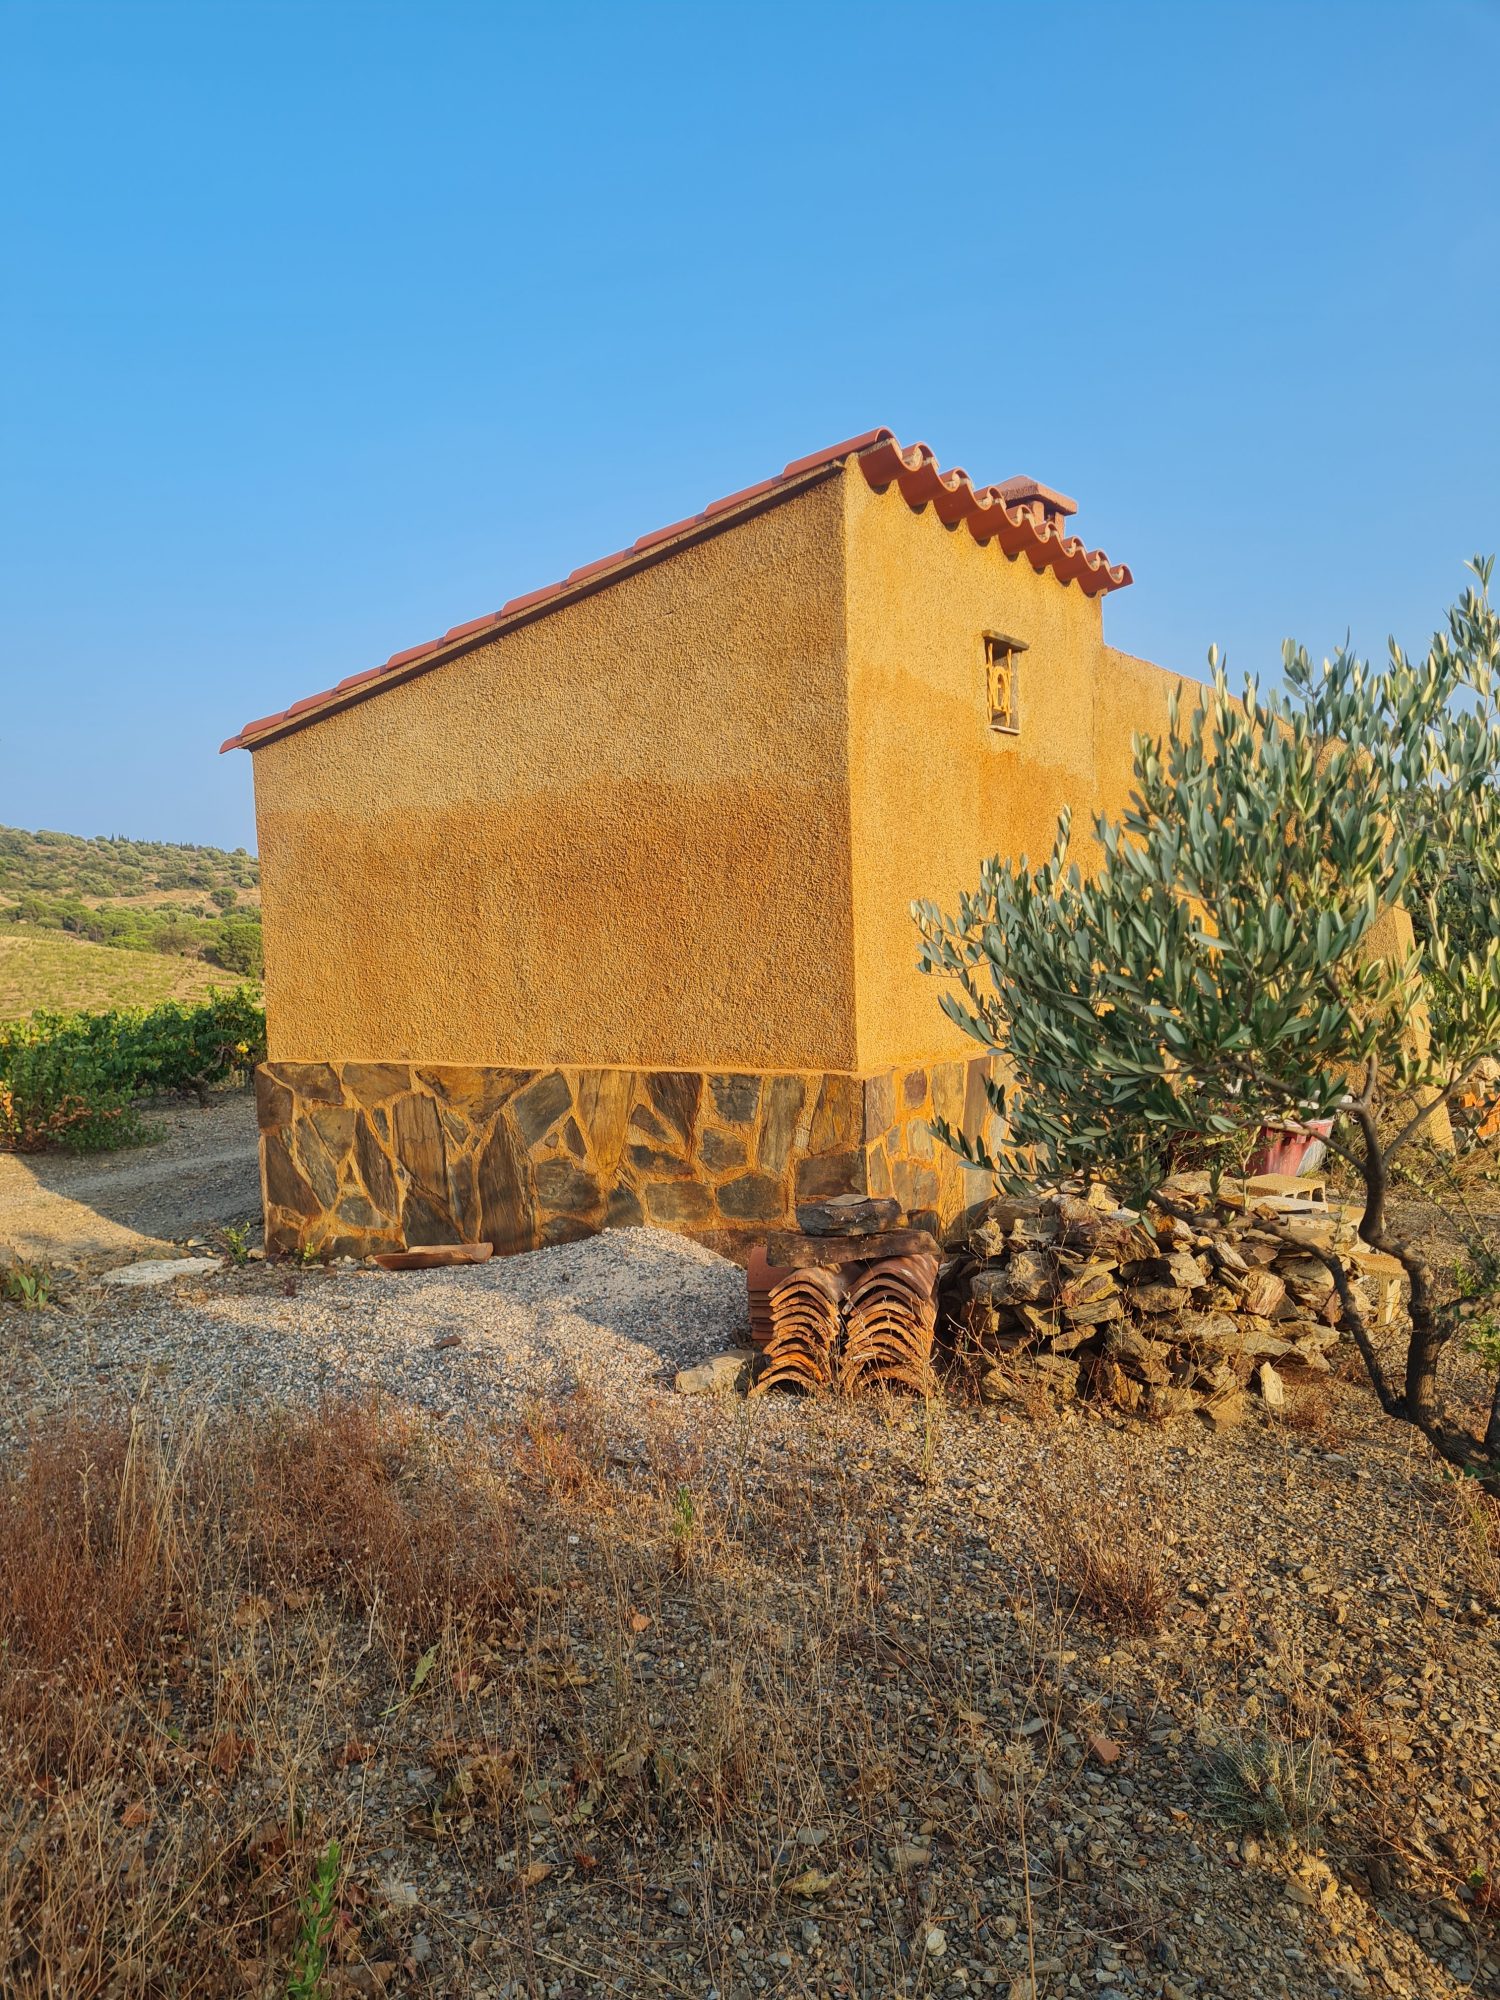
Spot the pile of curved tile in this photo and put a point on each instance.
(845, 1316)
(890, 1319)
(807, 1319)
(762, 1275)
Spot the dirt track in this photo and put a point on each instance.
(108, 1208)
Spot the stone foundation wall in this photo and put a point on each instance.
(358, 1157)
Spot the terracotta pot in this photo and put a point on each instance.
(434, 1256)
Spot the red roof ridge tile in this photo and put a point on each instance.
(989, 514)
(1022, 515)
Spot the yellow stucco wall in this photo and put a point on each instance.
(619, 835)
(934, 789)
(679, 822)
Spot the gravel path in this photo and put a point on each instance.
(90, 1212)
(620, 1313)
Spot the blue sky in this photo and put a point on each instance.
(327, 325)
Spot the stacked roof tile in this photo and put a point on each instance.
(1025, 519)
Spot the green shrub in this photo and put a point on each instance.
(55, 1095)
(238, 946)
(228, 936)
(28, 1286)
(70, 1079)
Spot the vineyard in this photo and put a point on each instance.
(75, 1080)
(188, 902)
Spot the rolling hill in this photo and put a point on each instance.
(87, 924)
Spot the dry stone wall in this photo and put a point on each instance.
(1060, 1298)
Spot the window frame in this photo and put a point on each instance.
(1002, 656)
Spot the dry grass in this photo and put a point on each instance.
(224, 1649)
(540, 1708)
(1105, 1551)
(1474, 1516)
(1313, 1412)
(352, 1504)
(184, 1621)
(66, 974)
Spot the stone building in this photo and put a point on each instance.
(594, 911)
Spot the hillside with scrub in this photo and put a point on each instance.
(104, 922)
(58, 972)
(68, 864)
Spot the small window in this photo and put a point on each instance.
(1001, 673)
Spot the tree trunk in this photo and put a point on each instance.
(1373, 1168)
(1427, 1337)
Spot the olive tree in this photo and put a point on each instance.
(1240, 951)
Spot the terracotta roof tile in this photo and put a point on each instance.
(593, 568)
(1022, 516)
(984, 510)
(716, 507)
(473, 625)
(411, 653)
(664, 534)
(524, 602)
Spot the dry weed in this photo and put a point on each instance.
(1474, 1516)
(351, 1501)
(1312, 1411)
(192, 1690)
(91, 1574)
(1106, 1556)
(142, 1682)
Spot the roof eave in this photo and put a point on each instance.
(884, 463)
(651, 549)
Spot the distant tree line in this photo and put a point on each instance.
(68, 864)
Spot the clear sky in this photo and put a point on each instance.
(327, 326)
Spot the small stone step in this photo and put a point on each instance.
(848, 1215)
(161, 1271)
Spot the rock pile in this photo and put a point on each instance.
(1062, 1298)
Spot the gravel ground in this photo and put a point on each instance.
(86, 1213)
(618, 1312)
(889, 1587)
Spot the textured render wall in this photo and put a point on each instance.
(1130, 694)
(934, 789)
(619, 835)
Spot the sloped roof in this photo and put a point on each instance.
(1024, 518)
